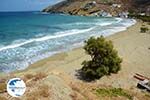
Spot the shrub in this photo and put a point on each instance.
(104, 58)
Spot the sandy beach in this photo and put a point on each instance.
(61, 69)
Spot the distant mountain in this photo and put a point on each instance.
(100, 7)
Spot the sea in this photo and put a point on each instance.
(27, 37)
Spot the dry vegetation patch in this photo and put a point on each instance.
(147, 95)
(42, 91)
(76, 96)
(2, 88)
(82, 90)
(36, 77)
(28, 77)
(2, 98)
(32, 79)
(91, 91)
(39, 76)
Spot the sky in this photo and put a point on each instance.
(25, 5)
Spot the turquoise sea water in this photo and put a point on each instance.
(26, 37)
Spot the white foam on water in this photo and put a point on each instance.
(97, 22)
(15, 45)
(129, 23)
(21, 65)
(104, 23)
(58, 35)
(118, 20)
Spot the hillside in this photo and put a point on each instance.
(100, 7)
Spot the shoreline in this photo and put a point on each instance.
(110, 31)
(74, 48)
(56, 42)
(42, 61)
(63, 55)
(78, 45)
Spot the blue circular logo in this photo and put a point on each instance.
(16, 87)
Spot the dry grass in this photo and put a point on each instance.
(32, 79)
(74, 87)
(147, 95)
(33, 96)
(2, 98)
(85, 91)
(36, 77)
(2, 87)
(39, 76)
(73, 95)
(43, 91)
(76, 96)
(28, 76)
(82, 91)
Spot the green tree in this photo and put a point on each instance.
(104, 58)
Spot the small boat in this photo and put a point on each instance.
(145, 84)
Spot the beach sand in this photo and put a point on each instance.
(61, 69)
